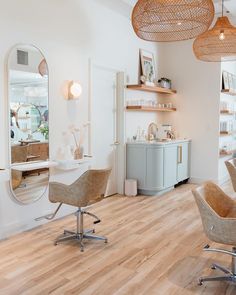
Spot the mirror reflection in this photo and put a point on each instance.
(29, 128)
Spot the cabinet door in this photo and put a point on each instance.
(170, 165)
(155, 161)
(183, 162)
(136, 164)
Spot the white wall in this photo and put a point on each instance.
(68, 33)
(197, 116)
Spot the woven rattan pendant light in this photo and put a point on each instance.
(217, 44)
(171, 20)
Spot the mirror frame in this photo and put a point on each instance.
(9, 165)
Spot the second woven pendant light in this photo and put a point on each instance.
(171, 20)
(217, 44)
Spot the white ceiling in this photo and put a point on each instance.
(229, 5)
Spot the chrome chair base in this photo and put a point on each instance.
(229, 277)
(80, 233)
(69, 235)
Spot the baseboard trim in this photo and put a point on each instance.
(29, 224)
(198, 180)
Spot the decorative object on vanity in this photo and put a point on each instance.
(165, 83)
(152, 132)
(74, 90)
(219, 43)
(155, 89)
(171, 20)
(89, 188)
(147, 67)
(218, 215)
(28, 123)
(79, 148)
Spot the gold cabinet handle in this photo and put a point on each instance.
(180, 154)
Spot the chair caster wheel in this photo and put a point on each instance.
(200, 283)
(55, 243)
(106, 241)
(213, 267)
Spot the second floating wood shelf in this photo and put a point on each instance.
(149, 109)
(142, 87)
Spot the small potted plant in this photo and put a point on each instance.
(43, 128)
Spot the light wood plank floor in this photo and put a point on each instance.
(155, 247)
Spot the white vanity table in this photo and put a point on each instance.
(34, 165)
(67, 165)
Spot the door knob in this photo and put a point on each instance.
(115, 143)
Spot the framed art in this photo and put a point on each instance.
(148, 66)
(225, 80)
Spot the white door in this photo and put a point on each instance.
(104, 123)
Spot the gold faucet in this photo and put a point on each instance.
(152, 131)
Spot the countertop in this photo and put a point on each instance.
(160, 143)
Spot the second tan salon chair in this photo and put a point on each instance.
(218, 214)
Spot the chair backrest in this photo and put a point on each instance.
(91, 186)
(214, 206)
(231, 167)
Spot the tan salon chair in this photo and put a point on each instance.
(231, 167)
(218, 214)
(89, 188)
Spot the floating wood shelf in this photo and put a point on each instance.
(155, 89)
(149, 109)
(225, 133)
(229, 92)
(227, 112)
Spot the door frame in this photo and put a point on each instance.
(120, 123)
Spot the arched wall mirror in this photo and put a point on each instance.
(28, 123)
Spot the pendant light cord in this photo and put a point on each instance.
(222, 8)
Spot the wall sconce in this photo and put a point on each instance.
(74, 90)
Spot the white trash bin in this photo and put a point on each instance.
(131, 187)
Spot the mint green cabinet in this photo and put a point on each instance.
(154, 168)
(136, 164)
(157, 167)
(170, 165)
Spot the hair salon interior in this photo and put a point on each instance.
(118, 139)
